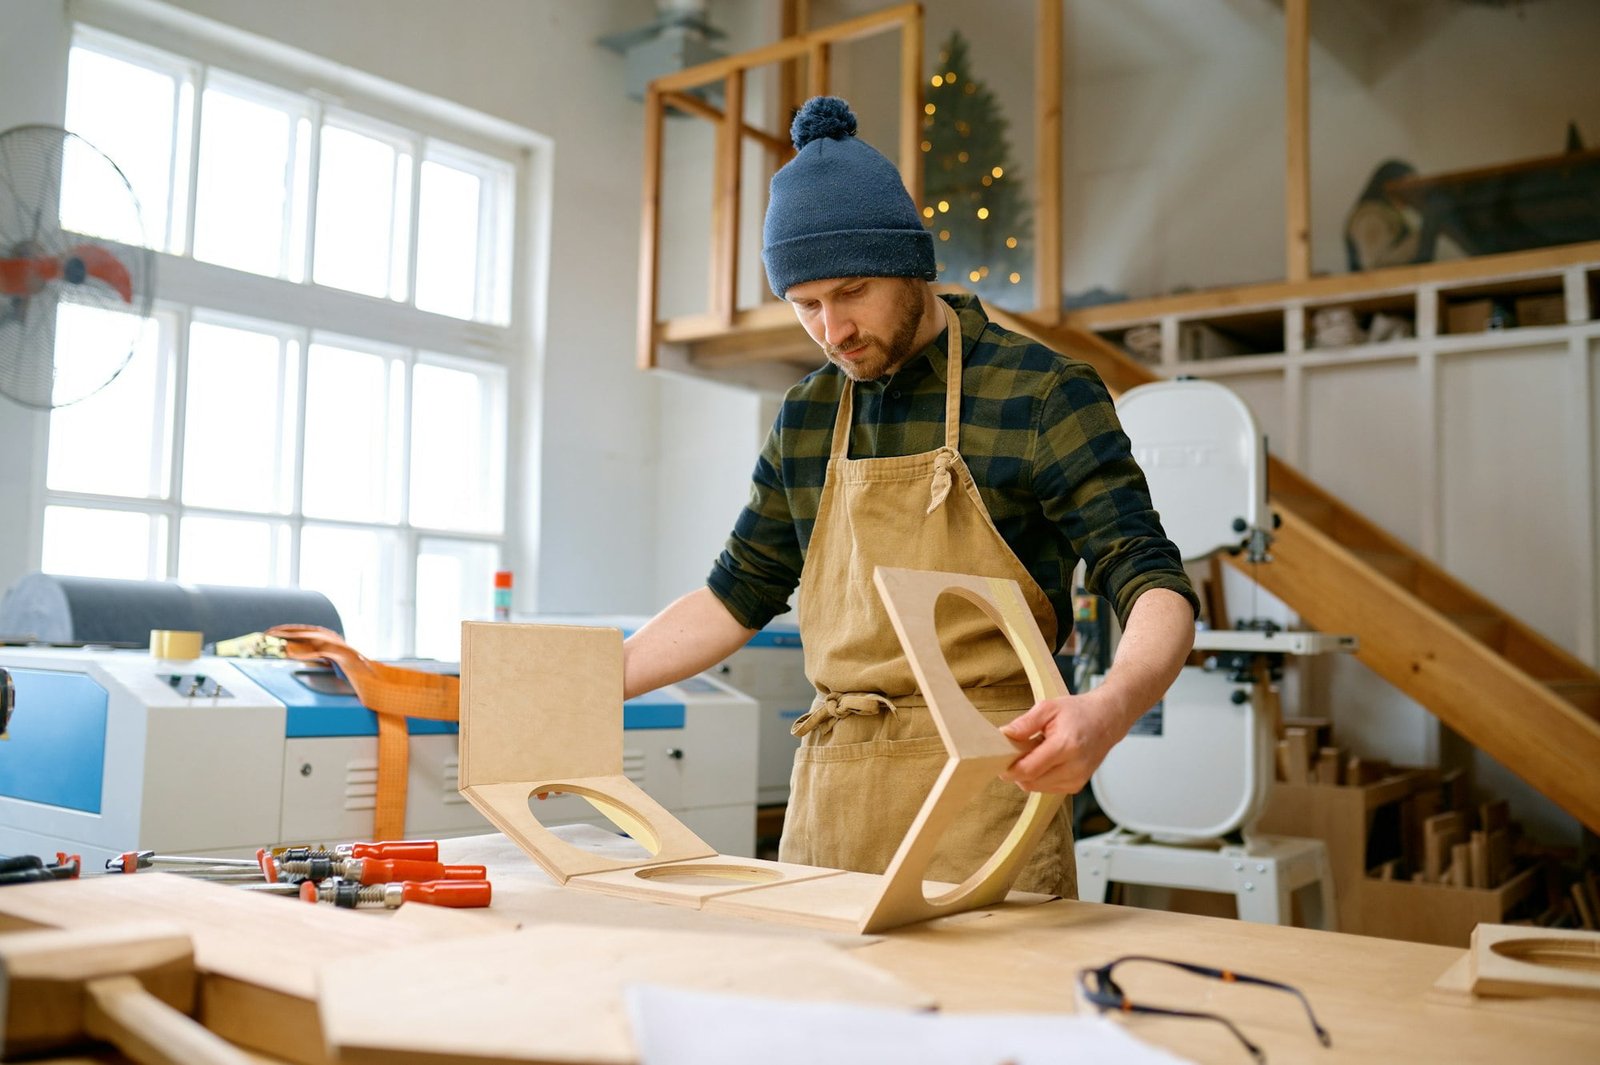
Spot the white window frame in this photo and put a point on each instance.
(192, 290)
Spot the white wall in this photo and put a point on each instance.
(1174, 121)
(33, 89)
(585, 474)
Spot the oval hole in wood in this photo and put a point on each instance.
(964, 622)
(629, 821)
(1569, 954)
(707, 874)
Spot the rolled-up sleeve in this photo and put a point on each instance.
(760, 565)
(1089, 485)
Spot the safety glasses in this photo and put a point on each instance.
(1103, 992)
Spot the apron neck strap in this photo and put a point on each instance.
(952, 378)
(952, 392)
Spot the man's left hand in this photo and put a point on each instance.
(1072, 734)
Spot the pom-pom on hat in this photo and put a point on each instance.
(839, 208)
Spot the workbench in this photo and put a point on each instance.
(1376, 997)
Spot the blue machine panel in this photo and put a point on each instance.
(57, 750)
(318, 703)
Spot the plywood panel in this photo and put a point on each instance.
(554, 993)
(1366, 417)
(1505, 465)
(521, 685)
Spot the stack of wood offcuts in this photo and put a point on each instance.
(1412, 857)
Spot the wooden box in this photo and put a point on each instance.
(1544, 309)
(1343, 817)
(1437, 913)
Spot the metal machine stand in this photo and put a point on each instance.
(1195, 770)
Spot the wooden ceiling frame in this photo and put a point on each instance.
(815, 47)
(727, 337)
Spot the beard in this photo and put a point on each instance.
(872, 356)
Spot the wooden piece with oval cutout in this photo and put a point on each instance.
(978, 751)
(693, 883)
(1534, 962)
(541, 709)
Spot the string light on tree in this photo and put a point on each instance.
(977, 206)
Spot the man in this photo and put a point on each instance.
(934, 440)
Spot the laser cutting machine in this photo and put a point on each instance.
(112, 749)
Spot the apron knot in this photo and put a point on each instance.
(942, 461)
(821, 717)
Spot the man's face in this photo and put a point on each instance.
(867, 326)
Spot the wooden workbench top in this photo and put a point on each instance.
(1375, 996)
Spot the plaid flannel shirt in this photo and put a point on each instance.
(1038, 432)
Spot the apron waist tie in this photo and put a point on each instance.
(821, 717)
(831, 707)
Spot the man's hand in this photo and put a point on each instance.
(1072, 735)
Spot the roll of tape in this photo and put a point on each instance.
(169, 643)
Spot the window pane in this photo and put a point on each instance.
(246, 149)
(128, 112)
(363, 206)
(239, 438)
(358, 570)
(457, 448)
(233, 551)
(455, 583)
(122, 544)
(353, 404)
(447, 240)
(115, 442)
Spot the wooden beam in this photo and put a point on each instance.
(1297, 179)
(1535, 733)
(699, 108)
(650, 228)
(1341, 286)
(778, 51)
(727, 174)
(793, 21)
(819, 69)
(911, 109)
(1047, 163)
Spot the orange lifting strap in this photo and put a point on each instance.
(394, 694)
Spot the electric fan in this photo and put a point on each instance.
(76, 276)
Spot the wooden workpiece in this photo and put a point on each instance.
(1377, 997)
(254, 952)
(1535, 962)
(131, 985)
(541, 710)
(554, 992)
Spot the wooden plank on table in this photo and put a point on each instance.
(691, 883)
(555, 992)
(258, 989)
(1517, 960)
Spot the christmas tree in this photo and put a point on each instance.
(974, 201)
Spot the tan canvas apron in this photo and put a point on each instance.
(870, 750)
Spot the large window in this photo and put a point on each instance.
(321, 397)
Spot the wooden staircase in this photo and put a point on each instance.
(1505, 688)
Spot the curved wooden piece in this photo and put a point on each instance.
(541, 710)
(978, 751)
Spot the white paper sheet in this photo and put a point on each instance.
(676, 1027)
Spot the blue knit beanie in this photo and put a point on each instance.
(839, 208)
